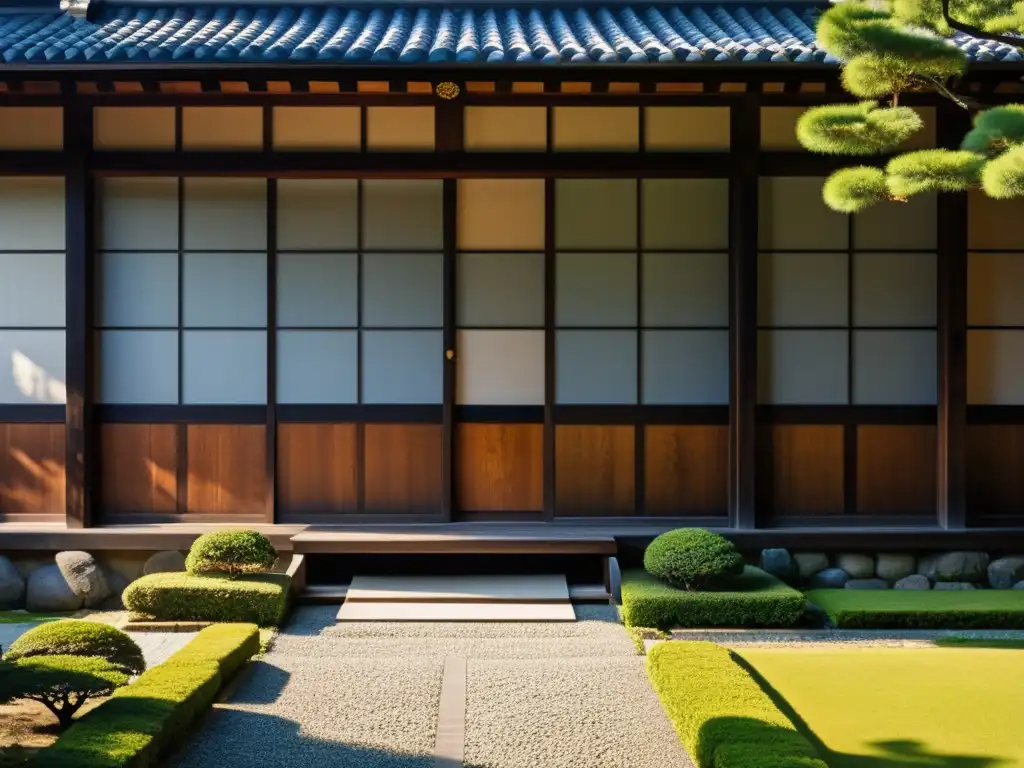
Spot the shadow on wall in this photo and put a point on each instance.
(31, 486)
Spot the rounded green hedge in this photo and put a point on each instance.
(232, 553)
(73, 637)
(692, 558)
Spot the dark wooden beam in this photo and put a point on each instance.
(270, 472)
(953, 123)
(449, 501)
(79, 358)
(745, 139)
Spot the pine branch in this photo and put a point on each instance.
(978, 32)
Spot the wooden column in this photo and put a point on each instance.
(270, 509)
(745, 133)
(953, 123)
(78, 278)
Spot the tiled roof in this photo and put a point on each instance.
(541, 33)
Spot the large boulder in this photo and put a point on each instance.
(894, 567)
(12, 585)
(778, 563)
(84, 575)
(953, 585)
(914, 581)
(1005, 572)
(127, 564)
(810, 563)
(26, 565)
(118, 584)
(164, 562)
(830, 578)
(857, 566)
(955, 566)
(48, 590)
(1019, 585)
(867, 584)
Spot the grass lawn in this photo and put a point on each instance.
(24, 617)
(895, 608)
(902, 707)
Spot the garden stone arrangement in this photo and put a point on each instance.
(937, 571)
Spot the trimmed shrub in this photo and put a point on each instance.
(62, 684)
(755, 599)
(692, 558)
(73, 637)
(232, 553)
(260, 599)
(913, 609)
(722, 716)
(139, 724)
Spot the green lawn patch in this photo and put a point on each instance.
(908, 609)
(260, 598)
(721, 714)
(755, 599)
(1005, 643)
(891, 707)
(139, 724)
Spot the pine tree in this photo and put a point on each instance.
(892, 47)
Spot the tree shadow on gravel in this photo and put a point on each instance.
(310, 621)
(239, 739)
(272, 680)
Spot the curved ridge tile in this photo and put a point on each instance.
(286, 40)
(542, 44)
(316, 37)
(238, 21)
(468, 46)
(343, 37)
(568, 46)
(395, 34)
(369, 37)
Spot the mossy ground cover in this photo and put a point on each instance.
(24, 617)
(902, 707)
(909, 609)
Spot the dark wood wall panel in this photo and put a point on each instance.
(896, 470)
(226, 469)
(403, 468)
(800, 469)
(686, 470)
(138, 469)
(594, 470)
(32, 470)
(995, 469)
(316, 469)
(500, 467)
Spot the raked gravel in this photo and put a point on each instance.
(565, 695)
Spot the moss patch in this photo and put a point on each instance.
(896, 608)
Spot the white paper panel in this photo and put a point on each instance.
(138, 367)
(32, 213)
(596, 289)
(138, 289)
(403, 214)
(793, 216)
(595, 213)
(317, 290)
(894, 368)
(681, 289)
(802, 289)
(123, 128)
(395, 129)
(225, 367)
(403, 367)
(596, 367)
(317, 367)
(231, 128)
(686, 367)
(403, 289)
(313, 128)
(35, 128)
(894, 289)
(504, 129)
(596, 128)
(138, 214)
(995, 289)
(498, 214)
(802, 367)
(317, 214)
(226, 214)
(500, 289)
(224, 290)
(32, 367)
(912, 225)
(694, 129)
(32, 289)
(995, 367)
(685, 213)
(500, 368)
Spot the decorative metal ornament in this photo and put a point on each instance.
(447, 90)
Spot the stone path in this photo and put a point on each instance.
(156, 646)
(411, 695)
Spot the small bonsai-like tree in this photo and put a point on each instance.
(60, 683)
(692, 558)
(74, 637)
(892, 47)
(232, 553)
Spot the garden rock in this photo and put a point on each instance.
(867, 584)
(1019, 585)
(955, 566)
(830, 578)
(857, 566)
(914, 581)
(810, 563)
(84, 575)
(164, 562)
(894, 567)
(48, 590)
(12, 585)
(125, 565)
(778, 563)
(1005, 572)
(118, 583)
(953, 585)
(26, 565)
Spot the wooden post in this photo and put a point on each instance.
(745, 139)
(79, 353)
(951, 415)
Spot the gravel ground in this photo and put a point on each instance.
(571, 695)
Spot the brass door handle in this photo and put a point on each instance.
(450, 354)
